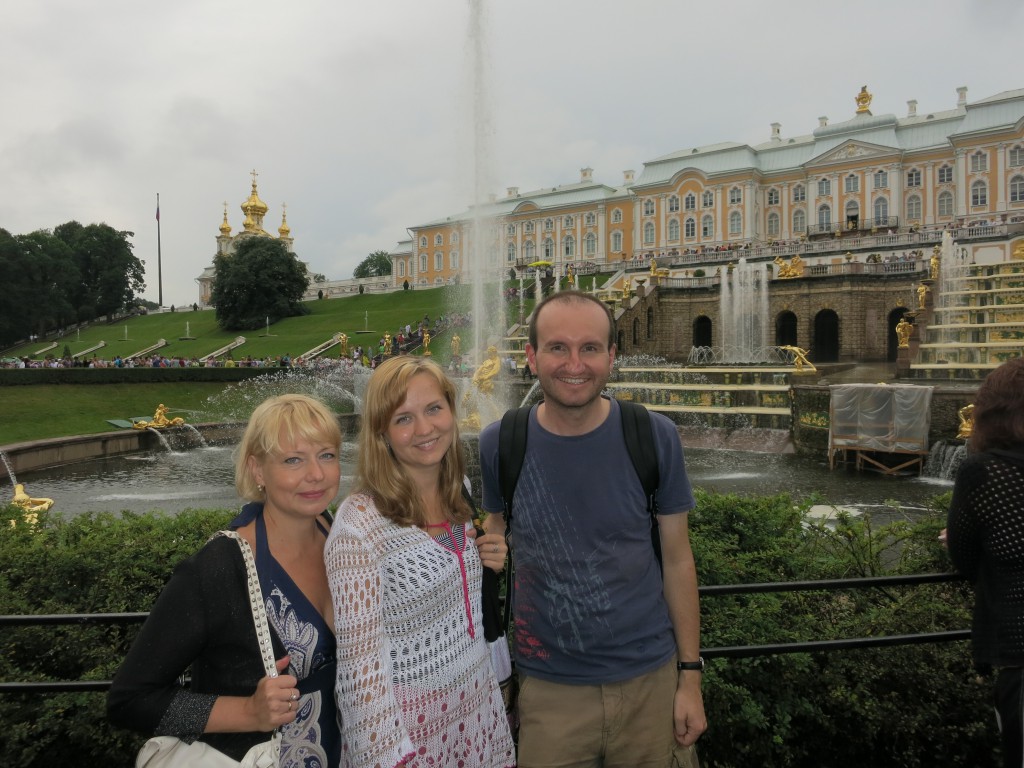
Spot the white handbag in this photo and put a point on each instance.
(172, 752)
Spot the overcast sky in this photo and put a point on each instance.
(360, 115)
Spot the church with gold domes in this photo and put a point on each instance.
(252, 226)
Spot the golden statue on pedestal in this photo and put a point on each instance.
(456, 345)
(795, 268)
(28, 503)
(799, 358)
(160, 420)
(863, 100)
(934, 262)
(480, 389)
(903, 332)
(343, 340)
(966, 415)
(922, 295)
(426, 343)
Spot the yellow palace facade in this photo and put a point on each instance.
(865, 175)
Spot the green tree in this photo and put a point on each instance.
(376, 264)
(111, 276)
(260, 280)
(39, 270)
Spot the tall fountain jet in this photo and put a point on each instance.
(743, 309)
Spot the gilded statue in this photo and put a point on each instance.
(456, 345)
(966, 415)
(343, 340)
(160, 420)
(795, 268)
(903, 332)
(933, 264)
(426, 343)
(654, 267)
(28, 503)
(799, 358)
(570, 278)
(483, 378)
(625, 288)
(863, 100)
(387, 344)
(922, 295)
(480, 390)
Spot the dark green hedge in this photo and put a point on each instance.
(10, 377)
(909, 706)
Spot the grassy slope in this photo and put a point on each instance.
(35, 412)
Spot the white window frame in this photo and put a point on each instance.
(649, 233)
(944, 204)
(979, 162)
(945, 174)
(914, 208)
(799, 193)
(824, 187)
(735, 223)
(735, 196)
(852, 182)
(881, 180)
(913, 178)
(979, 194)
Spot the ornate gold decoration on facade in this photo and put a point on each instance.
(863, 100)
(795, 267)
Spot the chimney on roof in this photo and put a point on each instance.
(627, 177)
(776, 127)
(586, 175)
(822, 121)
(912, 108)
(513, 191)
(961, 96)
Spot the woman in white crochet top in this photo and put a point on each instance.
(415, 682)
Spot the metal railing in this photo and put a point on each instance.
(721, 652)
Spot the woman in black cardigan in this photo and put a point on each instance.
(985, 533)
(287, 467)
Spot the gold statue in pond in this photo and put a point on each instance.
(160, 420)
(799, 358)
(28, 503)
(966, 415)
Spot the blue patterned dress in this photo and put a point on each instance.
(313, 740)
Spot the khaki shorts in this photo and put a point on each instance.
(619, 725)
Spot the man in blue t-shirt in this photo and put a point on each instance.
(607, 651)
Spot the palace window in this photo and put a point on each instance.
(616, 242)
(548, 225)
(648, 207)
(439, 239)
(616, 216)
(454, 260)
(590, 244)
(455, 237)
(528, 252)
(401, 268)
(510, 253)
(881, 179)
(914, 208)
(423, 242)
(438, 262)
(735, 223)
(569, 246)
(569, 222)
(673, 229)
(824, 217)
(799, 193)
(423, 262)
(707, 227)
(773, 225)
(979, 162)
(735, 196)
(773, 196)
(1017, 189)
(799, 222)
(913, 178)
(979, 194)
(528, 228)
(548, 249)
(853, 183)
(707, 199)
(946, 204)
(1016, 157)
(824, 187)
(511, 230)
(589, 220)
(690, 202)
(673, 204)
(648, 233)
(881, 210)
(945, 174)
(690, 227)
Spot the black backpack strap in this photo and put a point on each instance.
(511, 453)
(639, 436)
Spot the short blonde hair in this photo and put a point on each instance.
(378, 472)
(284, 417)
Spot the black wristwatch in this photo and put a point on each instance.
(695, 666)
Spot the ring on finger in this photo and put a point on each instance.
(290, 705)
(295, 696)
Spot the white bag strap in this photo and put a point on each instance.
(259, 608)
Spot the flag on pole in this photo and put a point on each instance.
(158, 212)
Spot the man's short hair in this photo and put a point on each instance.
(569, 297)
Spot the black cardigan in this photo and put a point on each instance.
(986, 543)
(203, 621)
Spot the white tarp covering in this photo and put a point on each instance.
(880, 417)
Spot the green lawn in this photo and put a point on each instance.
(42, 411)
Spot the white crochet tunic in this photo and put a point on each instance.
(414, 674)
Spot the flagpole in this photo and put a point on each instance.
(159, 269)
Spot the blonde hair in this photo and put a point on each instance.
(285, 418)
(379, 473)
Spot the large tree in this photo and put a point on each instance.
(39, 276)
(376, 264)
(260, 281)
(111, 275)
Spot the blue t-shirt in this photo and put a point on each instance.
(588, 602)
